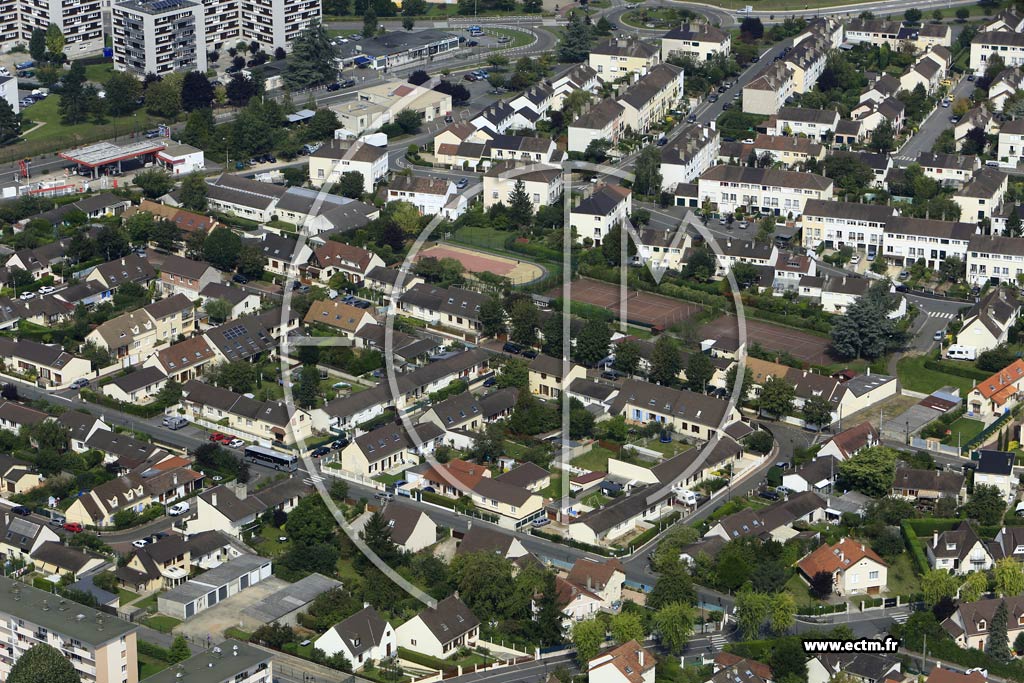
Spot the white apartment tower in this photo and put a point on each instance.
(159, 36)
(276, 23)
(79, 20)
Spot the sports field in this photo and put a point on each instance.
(643, 308)
(516, 270)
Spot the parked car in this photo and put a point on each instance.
(904, 274)
(25, 296)
(462, 183)
(334, 86)
(692, 118)
(540, 521)
(509, 347)
(175, 422)
(971, 77)
(348, 83)
(470, 78)
(79, 383)
(529, 353)
(320, 451)
(239, 278)
(21, 510)
(727, 105)
(384, 496)
(73, 527)
(141, 543)
(235, 443)
(490, 382)
(338, 444)
(768, 495)
(712, 98)
(178, 508)
(939, 335)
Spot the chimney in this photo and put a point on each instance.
(640, 656)
(241, 490)
(589, 587)
(213, 499)
(122, 262)
(935, 539)
(174, 479)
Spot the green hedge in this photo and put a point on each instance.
(437, 499)
(154, 651)
(821, 608)
(424, 660)
(914, 546)
(949, 368)
(654, 530)
(149, 410)
(597, 550)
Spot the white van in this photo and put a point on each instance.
(178, 508)
(686, 497)
(958, 352)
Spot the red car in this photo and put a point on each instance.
(73, 527)
(220, 438)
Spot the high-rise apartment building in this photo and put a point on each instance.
(101, 647)
(79, 20)
(159, 36)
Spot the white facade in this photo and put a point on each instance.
(1008, 45)
(159, 37)
(79, 20)
(595, 216)
(995, 257)
(781, 193)
(276, 23)
(9, 92)
(692, 152)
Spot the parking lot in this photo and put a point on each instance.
(229, 613)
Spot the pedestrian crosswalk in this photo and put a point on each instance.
(313, 479)
(940, 314)
(718, 641)
(905, 157)
(900, 618)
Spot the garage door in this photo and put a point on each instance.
(190, 609)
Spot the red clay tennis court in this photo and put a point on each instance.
(807, 347)
(474, 261)
(641, 307)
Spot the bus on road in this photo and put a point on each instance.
(271, 458)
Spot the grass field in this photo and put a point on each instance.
(161, 622)
(518, 38)
(913, 375)
(488, 238)
(47, 111)
(149, 602)
(963, 430)
(125, 596)
(596, 460)
(596, 500)
(901, 579)
(666, 449)
(149, 666)
(99, 73)
(554, 489)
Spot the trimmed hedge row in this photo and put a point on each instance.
(914, 546)
(966, 371)
(154, 651)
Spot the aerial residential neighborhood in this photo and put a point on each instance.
(400, 342)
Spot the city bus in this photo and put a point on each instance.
(271, 458)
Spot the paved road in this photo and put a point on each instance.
(932, 127)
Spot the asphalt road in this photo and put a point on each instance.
(932, 127)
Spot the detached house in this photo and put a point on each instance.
(363, 637)
(628, 663)
(959, 551)
(548, 378)
(542, 183)
(440, 631)
(332, 258)
(982, 196)
(48, 366)
(697, 41)
(232, 510)
(184, 276)
(338, 157)
(855, 568)
(388, 449)
(615, 58)
(987, 324)
(970, 624)
(992, 397)
(995, 468)
(606, 208)
(430, 196)
(345, 318)
(929, 485)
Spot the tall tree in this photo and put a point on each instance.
(520, 207)
(308, 387)
(817, 412)
(43, 663)
(196, 92)
(221, 248)
(666, 361)
(781, 613)
(674, 624)
(745, 383)
(626, 626)
(777, 396)
(592, 342)
(974, 586)
(312, 59)
(699, 371)
(627, 357)
(492, 317)
(179, 650)
(370, 25)
(998, 643)
(752, 610)
(552, 331)
(986, 505)
(74, 102)
(576, 41)
(154, 182)
(10, 123)
(123, 91)
(870, 471)
(37, 44)
(586, 637)
(193, 192)
(1009, 575)
(163, 98)
(377, 535)
(647, 178)
(54, 40)
(523, 318)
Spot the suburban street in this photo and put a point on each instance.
(932, 127)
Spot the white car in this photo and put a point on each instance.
(235, 443)
(855, 260)
(141, 543)
(25, 296)
(47, 289)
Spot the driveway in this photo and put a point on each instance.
(228, 613)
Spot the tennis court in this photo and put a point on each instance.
(642, 308)
(807, 347)
(516, 270)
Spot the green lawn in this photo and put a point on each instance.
(237, 634)
(554, 489)
(388, 478)
(518, 38)
(489, 238)
(99, 73)
(161, 622)
(514, 449)
(596, 460)
(596, 500)
(963, 430)
(149, 602)
(666, 449)
(901, 578)
(797, 587)
(66, 136)
(126, 596)
(149, 666)
(913, 375)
